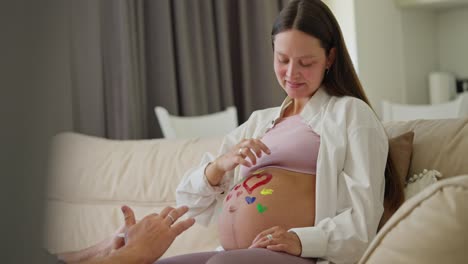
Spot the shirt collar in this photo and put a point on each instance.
(312, 107)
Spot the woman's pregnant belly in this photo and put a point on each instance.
(269, 197)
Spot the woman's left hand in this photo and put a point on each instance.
(280, 240)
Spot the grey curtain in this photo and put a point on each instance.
(192, 57)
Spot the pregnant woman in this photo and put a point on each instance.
(303, 182)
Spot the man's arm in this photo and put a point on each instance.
(146, 242)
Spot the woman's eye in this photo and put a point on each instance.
(283, 61)
(308, 64)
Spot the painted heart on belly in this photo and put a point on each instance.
(261, 208)
(254, 181)
(228, 197)
(249, 199)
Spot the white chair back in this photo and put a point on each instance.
(404, 112)
(211, 125)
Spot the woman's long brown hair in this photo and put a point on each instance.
(314, 18)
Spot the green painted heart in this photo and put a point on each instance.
(261, 208)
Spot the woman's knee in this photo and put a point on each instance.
(194, 258)
(256, 256)
(244, 256)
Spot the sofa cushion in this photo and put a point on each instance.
(429, 228)
(88, 169)
(438, 144)
(91, 178)
(74, 226)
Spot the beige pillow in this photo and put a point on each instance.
(430, 228)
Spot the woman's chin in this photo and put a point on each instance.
(296, 93)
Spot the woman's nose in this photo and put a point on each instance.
(292, 71)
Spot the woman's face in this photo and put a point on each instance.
(299, 63)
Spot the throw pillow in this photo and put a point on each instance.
(420, 181)
(400, 151)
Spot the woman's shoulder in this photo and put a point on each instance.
(350, 104)
(355, 110)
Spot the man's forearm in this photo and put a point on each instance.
(98, 250)
(124, 255)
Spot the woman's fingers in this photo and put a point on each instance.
(263, 147)
(254, 147)
(247, 153)
(264, 233)
(262, 236)
(257, 146)
(240, 160)
(261, 243)
(278, 247)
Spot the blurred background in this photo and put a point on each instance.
(101, 67)
(114, 61)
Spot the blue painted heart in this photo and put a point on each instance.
(249, 199)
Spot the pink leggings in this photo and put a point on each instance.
(244, 256)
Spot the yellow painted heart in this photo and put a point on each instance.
(258, 172)
(266, 191)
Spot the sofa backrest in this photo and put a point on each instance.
(438, 144)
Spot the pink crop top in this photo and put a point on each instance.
(294, 146)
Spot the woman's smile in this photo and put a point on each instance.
(294, 85)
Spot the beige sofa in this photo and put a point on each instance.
(90, 178)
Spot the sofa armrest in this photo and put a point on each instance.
(431, 227)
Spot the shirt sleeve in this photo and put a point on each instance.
(195, 191)
(360, 193)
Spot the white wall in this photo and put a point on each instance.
(453, 41)
(345, 14)
(398, 48)
(420, 53)
(380, 50)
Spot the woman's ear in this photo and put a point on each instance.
(331, 57)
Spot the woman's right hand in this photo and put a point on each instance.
(247, 148)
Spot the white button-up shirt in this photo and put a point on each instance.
(349, 180)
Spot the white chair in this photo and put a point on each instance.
(211, 125)
(404, 112)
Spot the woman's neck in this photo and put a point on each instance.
(295, 107)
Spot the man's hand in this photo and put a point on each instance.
(153, 235)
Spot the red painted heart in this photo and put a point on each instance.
(267, 178)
